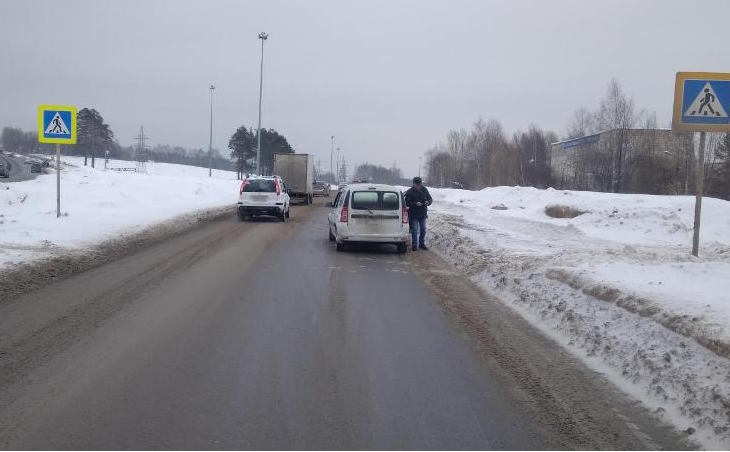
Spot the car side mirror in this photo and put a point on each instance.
(329, 204)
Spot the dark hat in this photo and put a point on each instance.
(417, 180)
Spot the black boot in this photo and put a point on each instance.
(424, 247)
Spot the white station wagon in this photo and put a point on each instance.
(371, 213)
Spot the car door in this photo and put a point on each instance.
(333, 214)
(284, 194)
(375, 212)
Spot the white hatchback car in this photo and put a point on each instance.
(263, 195)
(371, 213)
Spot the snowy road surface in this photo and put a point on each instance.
(19, 171)
(260, 335)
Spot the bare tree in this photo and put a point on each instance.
(582, 123)
(617, 112)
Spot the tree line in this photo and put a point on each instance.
(633, 156)
(380, 175)
(485, 156)
(95, 138)
(243, 145)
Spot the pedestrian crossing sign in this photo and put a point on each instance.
(57, 124)
(701, 102)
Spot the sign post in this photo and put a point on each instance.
(57, 125)
(701, 103)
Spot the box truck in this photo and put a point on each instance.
(297, 172)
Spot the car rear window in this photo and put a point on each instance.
(260, 185)
(375, 200)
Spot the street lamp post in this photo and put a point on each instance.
(263, 37)
(210, 143)
(332, 153)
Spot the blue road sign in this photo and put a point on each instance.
(702, 102)
(57, 124)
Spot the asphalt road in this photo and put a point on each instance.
(260, 335)
(18, 170)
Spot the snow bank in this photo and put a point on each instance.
(97, 205)
(627, 219)
(616, 284)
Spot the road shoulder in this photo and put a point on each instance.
(578, 404)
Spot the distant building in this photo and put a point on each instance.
(652, 161)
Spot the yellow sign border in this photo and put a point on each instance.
(677, 123)
(71, 127)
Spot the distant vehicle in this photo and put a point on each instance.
(4, 170)
(298, 172)
(263, 196)
(36, 167)
(341, 186)
(371, 213)
(320, 188)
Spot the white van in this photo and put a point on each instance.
(369, 213)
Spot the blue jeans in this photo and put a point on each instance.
(418, 231)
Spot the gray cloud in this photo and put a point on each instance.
(387, 78)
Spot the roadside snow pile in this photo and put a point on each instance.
(97, 205)
(615, 283)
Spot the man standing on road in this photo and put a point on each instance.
(417, 200)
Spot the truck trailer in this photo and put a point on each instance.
(297, 172)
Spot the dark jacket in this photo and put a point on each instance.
(413, 197)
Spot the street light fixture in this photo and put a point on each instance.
(210, 143)
(332, 152)
(263, 37)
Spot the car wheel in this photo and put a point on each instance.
(341, 246)
(288, 213)
(282, 217)
(402, 248)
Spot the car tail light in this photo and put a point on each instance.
(405, 214)
(344, 214)
(278, 187)
(243, 185)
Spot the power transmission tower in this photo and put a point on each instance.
(140, 152)
(343, 170)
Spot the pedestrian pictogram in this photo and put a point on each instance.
(701, 102)
(57, 124)
(706, 104)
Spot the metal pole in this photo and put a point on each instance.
(698, 201)
(58, 180)
(210, 143)
(332, 152)
(263, 37)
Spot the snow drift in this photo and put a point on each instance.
(611, 277)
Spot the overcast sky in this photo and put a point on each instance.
(388, 79)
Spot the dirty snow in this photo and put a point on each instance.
(617, 285)
(97, 205)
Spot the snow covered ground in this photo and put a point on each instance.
(97, 205)
(617, 285)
